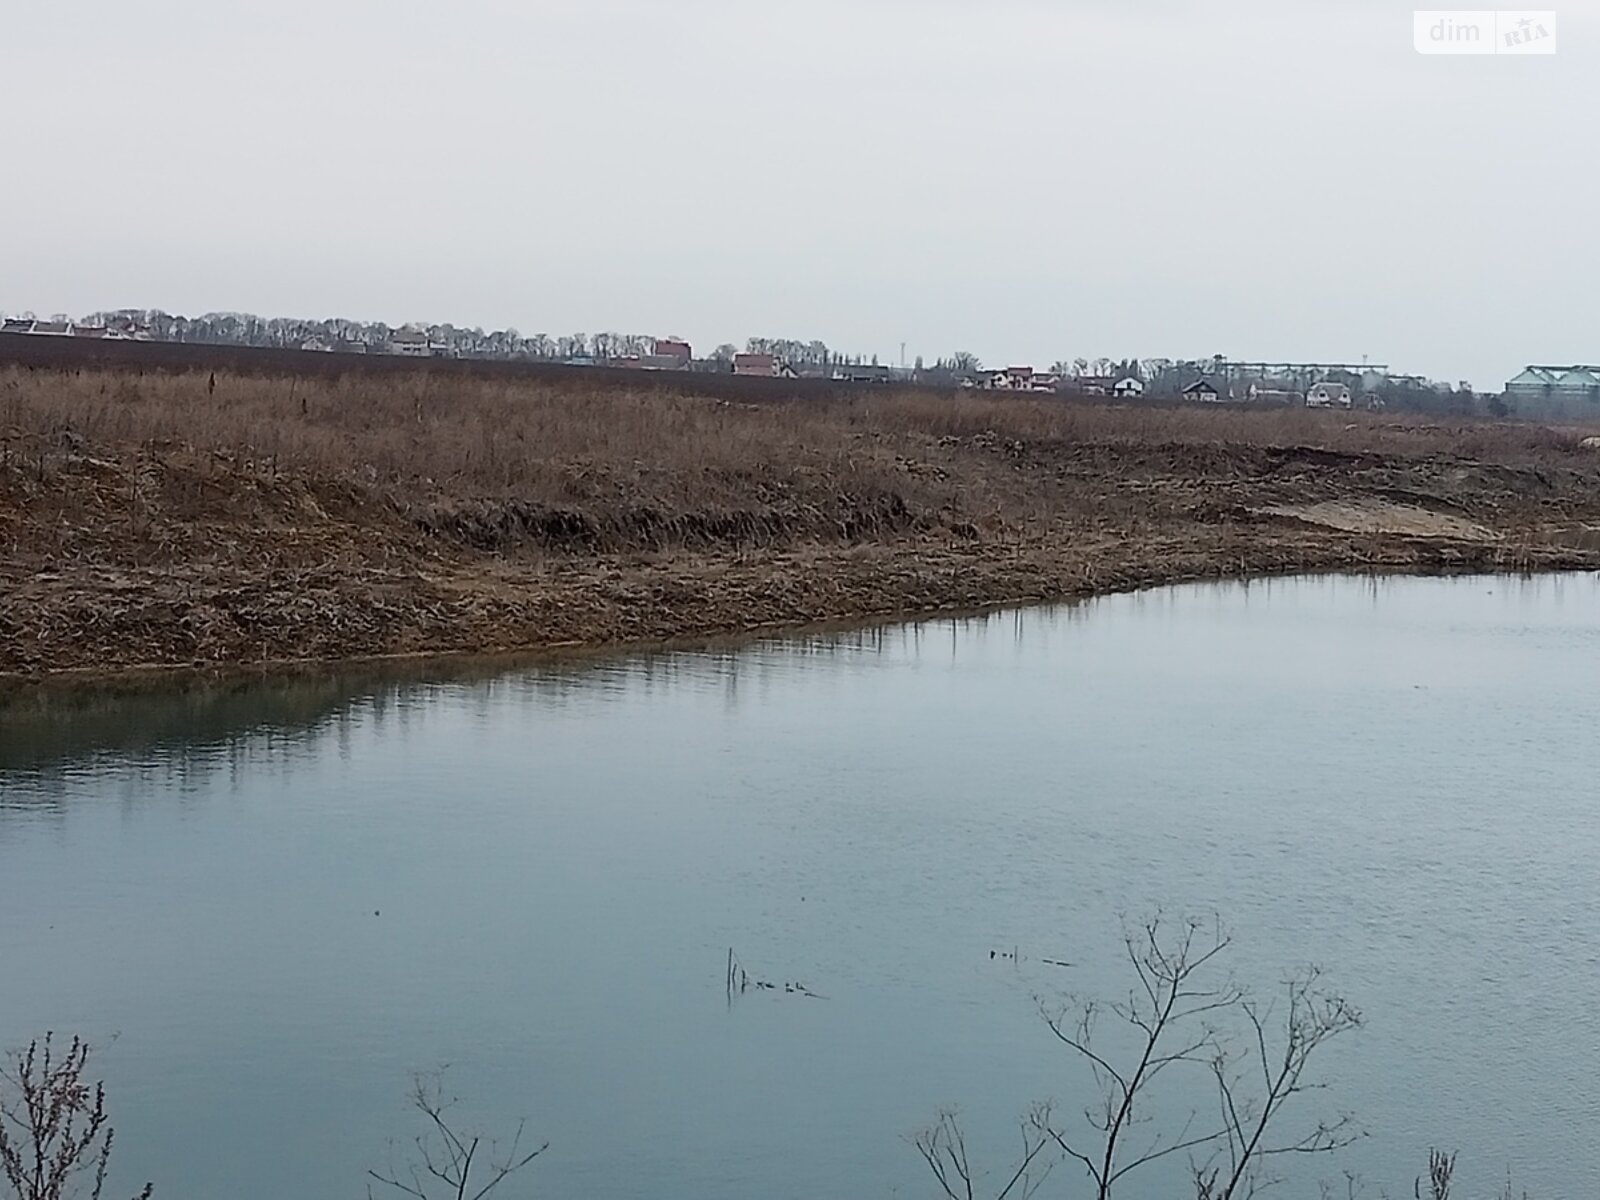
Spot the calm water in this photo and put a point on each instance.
(280, 900)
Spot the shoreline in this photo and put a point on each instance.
(182, 526)
(139, 677)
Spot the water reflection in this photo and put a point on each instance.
(182, 734)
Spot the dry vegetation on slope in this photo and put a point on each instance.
(158, 520)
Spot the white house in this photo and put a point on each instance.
(1203, 391)
(1013, 379)
(1129, 388)
(410, 342)
(1328, 395)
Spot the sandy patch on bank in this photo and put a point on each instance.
(1382, 516)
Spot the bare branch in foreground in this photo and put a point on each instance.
(1171, 1015)
(1312, 1018)
(1441, 1167)
(53, 1124)
(944, 1148)
(1183, 1014)
(447, 1158)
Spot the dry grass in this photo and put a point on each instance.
(485, 458)
(533, 440)
(154, 519)
(457, 436)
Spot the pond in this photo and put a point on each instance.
(268, 904)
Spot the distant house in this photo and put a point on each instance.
(53, 328)
(1043, 381)
(1012, 379)
(1203, 391)
(317, 345)
(129, 330)
(1094, 385)
(410, 342)
(674, 349)
(755, 364)
(89, 331)
(1128, 388)
(1328, 395)
(17, 325)
(349, 347)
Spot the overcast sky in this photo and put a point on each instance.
(1026, 179)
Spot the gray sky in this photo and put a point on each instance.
(1026, 179)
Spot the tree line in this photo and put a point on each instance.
(1160, 376)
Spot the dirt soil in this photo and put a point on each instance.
(159, 553)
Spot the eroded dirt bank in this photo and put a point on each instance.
(161, 522)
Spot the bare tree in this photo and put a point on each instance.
(1171, 1017)
(1438, 1183)
(446, 1157)
(1312, 1017)
(1441, 1169)
(1184, 1014)
(55, 1137)
(944, 1148)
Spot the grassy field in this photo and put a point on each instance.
(218, 519)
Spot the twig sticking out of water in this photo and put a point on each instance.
(740, 981)
(1013, 956)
